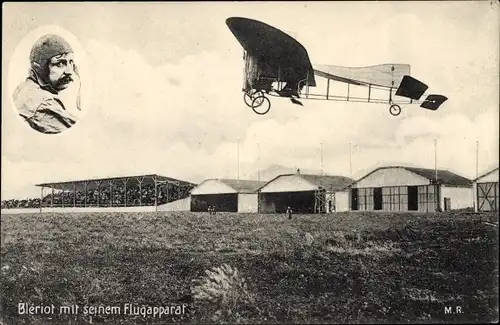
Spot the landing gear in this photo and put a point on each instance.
(257, 100)
(395, 110)
(261, 105)
(250, 95)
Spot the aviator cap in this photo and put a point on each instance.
(46, 47)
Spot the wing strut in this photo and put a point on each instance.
(327, 88)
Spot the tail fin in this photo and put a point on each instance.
(432, 102)
(411, 88)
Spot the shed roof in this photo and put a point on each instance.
(131, 179)
(487, 173)
(328, 182)
(242, 185)
(443, 176)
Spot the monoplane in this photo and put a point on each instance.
(276, 64)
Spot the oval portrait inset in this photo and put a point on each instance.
(46, 77)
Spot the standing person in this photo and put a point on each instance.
(52, 70)
(289, 213)
(210, 209)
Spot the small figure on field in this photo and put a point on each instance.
(289, 213)
(214, 211)
(210, 209)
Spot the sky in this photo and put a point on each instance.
(162, 85)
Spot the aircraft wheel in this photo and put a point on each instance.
(248, 97)
(395, 110)
(263, 103)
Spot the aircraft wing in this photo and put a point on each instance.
(383, 75)
(278, 49)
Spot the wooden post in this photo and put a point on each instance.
(435, 160)
(156, 193)
(238, 158)
(315, 201)
(350, 160)
(322, 172)
(41, 198)
(259, 196)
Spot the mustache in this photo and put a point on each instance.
(65, 80)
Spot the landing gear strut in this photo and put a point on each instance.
(395, 110)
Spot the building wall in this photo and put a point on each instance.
(391, 177)
(486, 196)
(178, 205)
(428, 198)
(288, 183)
(341, 201)
(423, 198)
(212, 186)
(486, 181)
(460, 197)
(248, 203)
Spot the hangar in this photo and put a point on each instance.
(304, 193)
(400, 188)
(486, 191)
(227, 195)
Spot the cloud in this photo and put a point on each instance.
(408, 142)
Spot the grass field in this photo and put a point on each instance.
(347, 267)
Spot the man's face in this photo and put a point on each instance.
(61, 70)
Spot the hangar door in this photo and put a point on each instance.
(222, 202)
(300, 202)
(487, 196)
